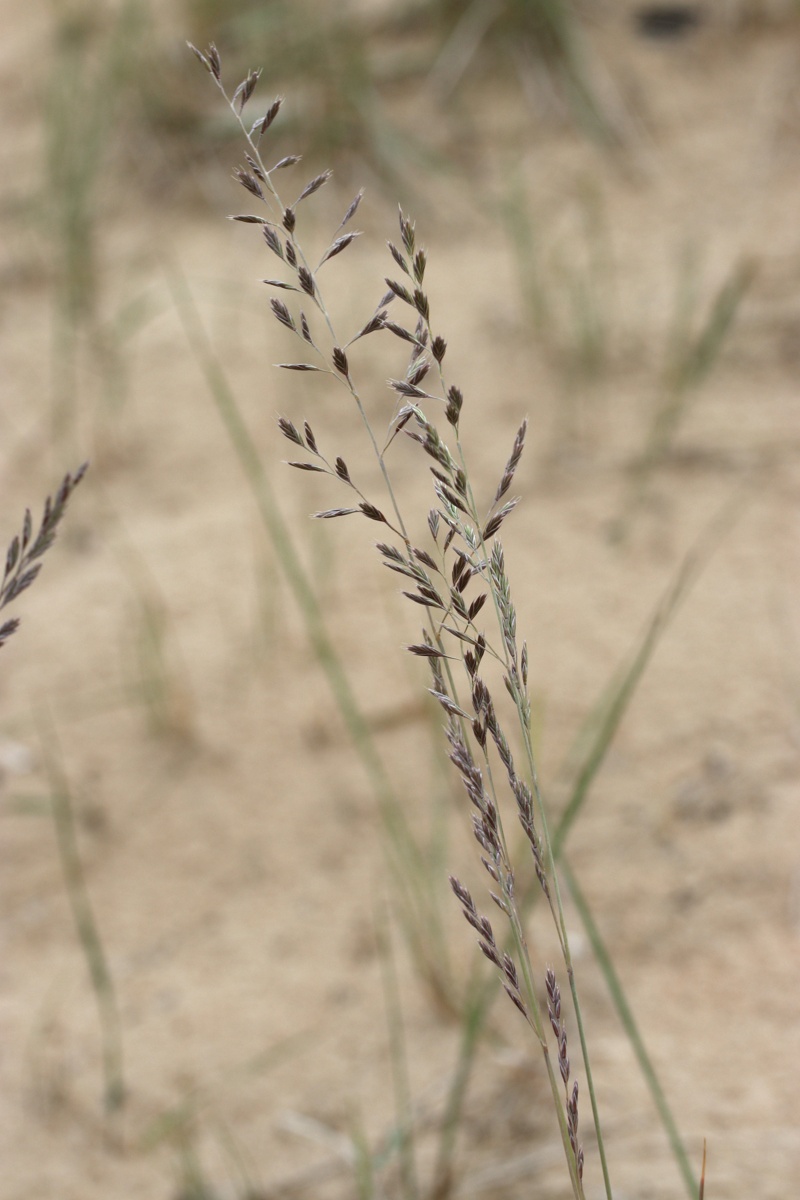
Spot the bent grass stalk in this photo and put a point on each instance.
(85, 923)
(449, 618)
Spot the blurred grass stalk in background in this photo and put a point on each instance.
(86, 925)
(692, 353)
(91, 77)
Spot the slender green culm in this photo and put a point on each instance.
(83, 915)
(406, 1154)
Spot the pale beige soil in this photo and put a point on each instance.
(233, 851)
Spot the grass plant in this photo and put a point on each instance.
(464, 548)
(84, 95)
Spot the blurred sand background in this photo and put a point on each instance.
(231, 842)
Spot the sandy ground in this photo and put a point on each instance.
(232, 846)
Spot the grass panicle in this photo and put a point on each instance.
(451, 581)
(25, 551)
(458, 582)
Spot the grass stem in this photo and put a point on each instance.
(83, 915)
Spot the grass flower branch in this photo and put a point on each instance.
(465, 555)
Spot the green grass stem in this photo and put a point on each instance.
(404, 1115)
(83, 915)
(624, 1012)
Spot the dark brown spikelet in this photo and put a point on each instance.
(513, 462)
(418, 372)
(454, 402)
(461, 571)
(560, 1033)
(420, 262)
(425, 601)
(426, 651)
(269, 116)
(304, 466)
(249, 182)
(305, 330)
(201, 58)
(246, 88)
(438, 348)
(255, 168)
(488, 943)
(311, 441)
(572, 1126)
(248, 219)
(372, 326)
(314, 186)
(451, 498)
(400, 291)
(430, 593)
(403, 567)
(423, 557)
(342, 471)
(338, 245)
(288, 161)
(493, 524)
(306, 280)
(7, 628)
(476, 606)
(291, 254)
(334, 512)
(282, 314)
(398, 257)
(290, 431)
(289, 220)
(212, 53)
(374, 514)
(351, 212)
(421, 304)
(458, 604)
(408, 234)
(401, 332)
(408, 389)
(340, 361)
(273, 241)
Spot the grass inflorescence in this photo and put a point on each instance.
(460, 585)
(24, 553)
